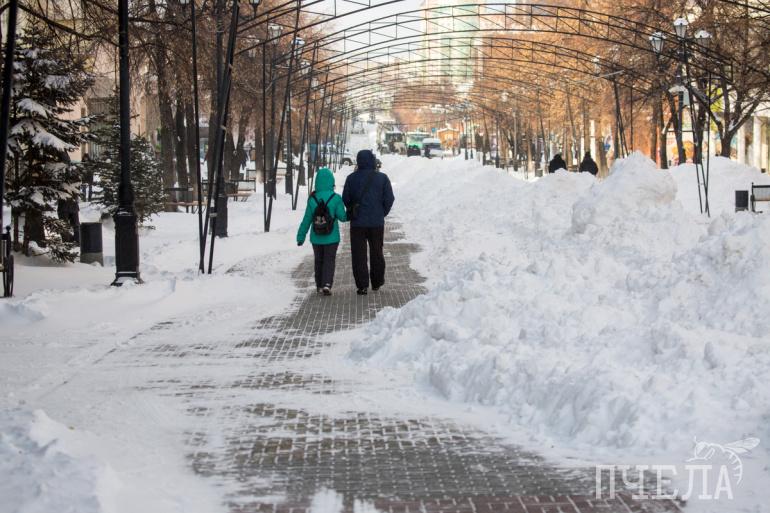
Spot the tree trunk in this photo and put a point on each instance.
(229, 155)
(192, 156)
(654, 128)
(166, 113)
(602, 159)
(33, 230)
(180, 140)
(682, 155)
(726, 139)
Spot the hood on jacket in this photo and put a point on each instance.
(324, 180)
(365, 160)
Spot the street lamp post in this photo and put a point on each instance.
(196, 144)
(274, 32)
(297, 44)
(126, 234)
(684, 86)
(5, 114)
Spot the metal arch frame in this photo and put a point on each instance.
(487, 42)
(488, 54)
(542, 19)
(390, 84)
(289, 7)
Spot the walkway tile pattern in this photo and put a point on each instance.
(270, 455)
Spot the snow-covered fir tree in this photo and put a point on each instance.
(146, 173)
(49, 79)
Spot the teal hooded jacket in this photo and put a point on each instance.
(324, 189)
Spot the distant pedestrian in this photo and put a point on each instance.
(556, 163)
(324, 209)
(368, 197)
(588, 165)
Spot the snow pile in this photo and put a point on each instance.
(600, 315)
(634, 188)
(725, 177)
(40, 476)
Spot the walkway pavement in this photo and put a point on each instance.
(277, 456)
(254, 435)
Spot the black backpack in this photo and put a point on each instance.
(323, 221)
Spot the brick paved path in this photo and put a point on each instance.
(269, 453)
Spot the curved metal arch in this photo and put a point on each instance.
(504, 17)
(366, 78)
(362, 97)
(289, 7)
(587, 60)
(520, 89)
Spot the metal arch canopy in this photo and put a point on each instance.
(584, 61)
(521, 87)
(493, 17)
(561, 73)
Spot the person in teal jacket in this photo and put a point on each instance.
(324, 246)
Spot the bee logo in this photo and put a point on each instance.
(705, 451)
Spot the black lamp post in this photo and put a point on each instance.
(683, 85)
(297, 44)
(196, 143)
(126, 234)
(5, 113)
(274, 33)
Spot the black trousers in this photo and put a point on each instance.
(325, 260)
(360, 238)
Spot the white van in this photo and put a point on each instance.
(431, 148)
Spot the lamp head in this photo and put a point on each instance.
(274, 31)
(680, 27)
(656, 40)
(703, 37)
(184, 3)
(254, 4)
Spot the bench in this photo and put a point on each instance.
(181, 197)
(238, 190)
(759, 193)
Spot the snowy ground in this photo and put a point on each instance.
(604, 322)
(609, 320)
(66, 317)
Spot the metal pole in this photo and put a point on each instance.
(287, 105)
(219, 227)
(265, 179)
(305, 125)
(126, 235)
(221, 119)
(465, 129)
(497, 144)
(199, 181)
(5, 109)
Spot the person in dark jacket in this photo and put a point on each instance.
(368, 197)
(588, 165)
(556, 163)
(324, 245)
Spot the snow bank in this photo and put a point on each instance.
(38, 475)
(601, 316)
(725, 177)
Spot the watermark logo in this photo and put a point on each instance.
(706, 451)
(712, 472)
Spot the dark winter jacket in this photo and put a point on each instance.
(556, 163)
(379, 196)
(588, 165)
(324, 191)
